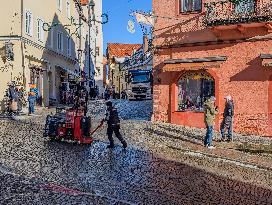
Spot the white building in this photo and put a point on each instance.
(46, 40)
(94, 72)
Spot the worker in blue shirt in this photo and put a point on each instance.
(31, 103)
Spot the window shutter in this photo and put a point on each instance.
(26, 22)
(42, 31)
(38, 28)
(30, 24)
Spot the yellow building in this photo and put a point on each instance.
(45, 39)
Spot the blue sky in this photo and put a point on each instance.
(115, 31)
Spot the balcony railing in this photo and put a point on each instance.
(227, 13)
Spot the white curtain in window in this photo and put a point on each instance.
(40, 30)
(28, 22)
(185, 5)
(245, 6)
(59, 4)
(191, 5)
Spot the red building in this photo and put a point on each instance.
(218, 48)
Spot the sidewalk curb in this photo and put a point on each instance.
(228, 160)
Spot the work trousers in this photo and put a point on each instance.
(31, 108)
(226, 125)
(209, 136)
(116, 130)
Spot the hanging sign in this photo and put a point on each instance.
(130, 27)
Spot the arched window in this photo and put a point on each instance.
(193, 89)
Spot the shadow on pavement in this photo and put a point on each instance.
(132, 176)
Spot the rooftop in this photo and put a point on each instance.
(122, 50)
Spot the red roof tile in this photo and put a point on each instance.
(122, 50)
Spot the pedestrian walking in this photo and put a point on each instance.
(227, 123)
(210, 112)
(35, 91)
(106, 94)
(113, 122)
(13, 98)
(21, 100)
(92, 93)
(96, 92)
(31, 103)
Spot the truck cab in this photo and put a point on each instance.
(139, 85)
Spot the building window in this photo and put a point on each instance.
(193, 89)
(69, 44)
(191, 5)
(68, 9)
(97, 30)
(28, 23)
(52, 37)
(40, 30)
(60, 42)
(59, 5)
(245, 7)
(97, 51)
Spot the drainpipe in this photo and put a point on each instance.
(89, 43)
(94, 60)
(22, 44)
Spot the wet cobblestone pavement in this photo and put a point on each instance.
(164, 164)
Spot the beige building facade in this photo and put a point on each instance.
(118, 75)
(48, 39)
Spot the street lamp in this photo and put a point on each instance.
(91, 3)
(9, 51)
(79, 54)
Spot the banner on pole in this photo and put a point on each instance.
(143, 18)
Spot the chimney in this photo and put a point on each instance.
(145, 43)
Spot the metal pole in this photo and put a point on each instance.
(89, 46)
(119, 80)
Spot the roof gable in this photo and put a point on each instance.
(122, 50)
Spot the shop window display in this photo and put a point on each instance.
(193, 89)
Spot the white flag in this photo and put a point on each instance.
(144, 18)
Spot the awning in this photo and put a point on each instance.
(68, 71)
(266, 60)
(193, 63)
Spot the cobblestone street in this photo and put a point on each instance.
(163, 164)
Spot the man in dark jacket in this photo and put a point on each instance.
(13, 98)
(113, 122)
(227, 120)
